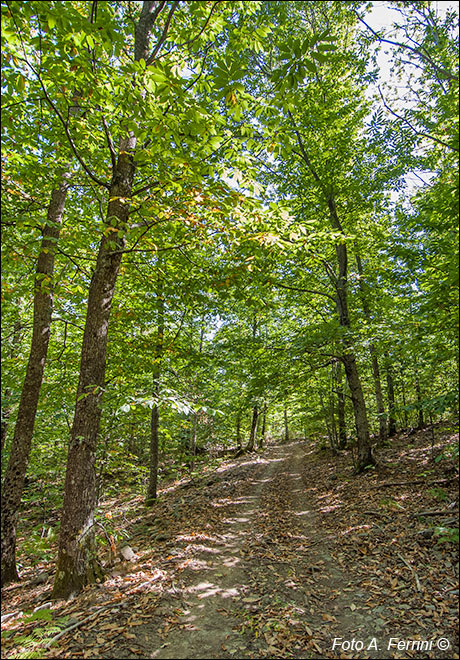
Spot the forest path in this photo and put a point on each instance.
(273, 554)
(262, 584)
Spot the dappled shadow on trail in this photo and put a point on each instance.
(273, 555)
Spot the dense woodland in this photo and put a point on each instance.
(223, 224)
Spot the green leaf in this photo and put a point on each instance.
(311, 66)
(320, 57)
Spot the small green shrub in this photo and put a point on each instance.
(447, 534)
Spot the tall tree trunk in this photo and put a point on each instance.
(365, 457)
(378, 395)
(238, 431)
(252, 436)
(286, 425)
(261, 443)
(342, 430)
(77, 560)
(153, 449)
(13, 483)
(374, 357)
(403, 394)
(6, 406)
(5, 415)
(155, 417)
(194, 429)
(326, 415)
(420, 420)
(391, 399)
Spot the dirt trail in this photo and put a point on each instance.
(256, 584)
(246, 564)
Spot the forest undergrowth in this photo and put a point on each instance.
(281, 553)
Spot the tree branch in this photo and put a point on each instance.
(415, 130)
(164, 34)
(302, 290)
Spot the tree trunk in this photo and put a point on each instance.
(326, 414)
(262, 431)
(77, 561)
(286, 425)
(365, 457)
(5, 415)
(378, 395)
(6, 405)
(391, 399)
(403, 394)
(13, 482)
(252, 436)
(77, 565)
(420, 420)
(155, 417)
(374, 358)
(238, 431)
(194, 429)
(342, 430)
(154, 451)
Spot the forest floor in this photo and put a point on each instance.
(278, 554)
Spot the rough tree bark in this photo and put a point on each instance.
(77, 561)
(13, 483)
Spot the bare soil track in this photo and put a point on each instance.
(274, 555)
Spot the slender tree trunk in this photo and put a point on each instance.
(238, 431)
(391, 399)
(378, 395)
(326, 415)
(194, 430)
(342, 430)
(155, 417)
(252, 436)
(6, 406)
(13, 483)
(420, 420)
(365, 457)
(403, 394)
(262, 430)
(334, 444)
(286, 425)
(5, 415)
(77, 560)
(154, 450)
(374, 358)
(193, 440)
